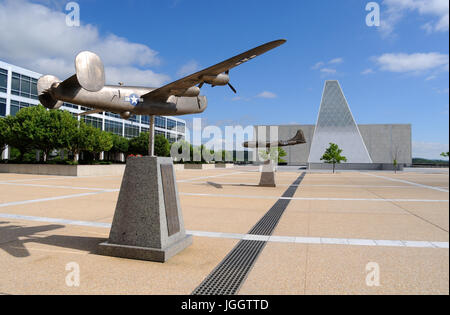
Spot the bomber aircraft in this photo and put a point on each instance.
(87, 88)
(299, 138)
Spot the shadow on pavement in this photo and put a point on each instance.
(15, 237)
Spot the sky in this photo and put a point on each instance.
(396, 72)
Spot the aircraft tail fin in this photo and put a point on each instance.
(90, 75)
(90, 71)
(300, 136)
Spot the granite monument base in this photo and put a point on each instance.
(148, 223)
(268, 174)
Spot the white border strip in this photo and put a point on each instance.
(314, 185)
(407, 182)
(272, 239)
(311, 199)
(25, 202)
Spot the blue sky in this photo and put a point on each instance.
(395, 73)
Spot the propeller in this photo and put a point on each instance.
(232, 88)
(229, 84)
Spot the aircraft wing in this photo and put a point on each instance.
(164, 92)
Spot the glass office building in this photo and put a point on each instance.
(18, 89)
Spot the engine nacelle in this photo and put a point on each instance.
(193, 91)
(220, 79)
(125, 115)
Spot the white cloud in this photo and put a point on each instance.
(368, 71)
(189, 68)
(413, 63)
(321, 64)
(438, 10)
(428, 150)
(266, 94)
(35, 36)
(328, 71)
(318, 65)
(336, 61)
(131, 76)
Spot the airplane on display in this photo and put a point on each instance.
(299, 138)
(87, 88)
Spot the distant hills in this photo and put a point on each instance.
(427, 161)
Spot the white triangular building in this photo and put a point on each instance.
(336, 124)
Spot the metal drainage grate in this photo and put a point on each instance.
(228, 277)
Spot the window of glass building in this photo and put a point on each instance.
(92, 121)
(131, 131)
(34, 92)
(143, 129)
(112, 115)
(171, 137)
(15, 84)
(113, 126)
(2, 107)
(16, 106)
(160, 122)
(159, 132)
(3, 80)
(171, 124)
(181, 127)
(70, 105)
(134, 118)
(145, 120)
(24, 86)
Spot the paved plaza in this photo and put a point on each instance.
(334, 226)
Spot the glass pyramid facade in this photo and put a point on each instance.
(336, 124)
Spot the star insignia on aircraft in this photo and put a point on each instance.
(133, 99)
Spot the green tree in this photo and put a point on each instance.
(21, 130)
(162, 146)
(103, 142)
(281, 153)
(54, 130)
(181, 151)
(333, 156)
(82, 139)
(273, 154)
(139, 144)
(445, 154)
(3, 135)
(227, 156)
(120, 144)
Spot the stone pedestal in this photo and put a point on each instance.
(268, 170)
(148, 224)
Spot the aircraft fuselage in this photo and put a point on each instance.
(122, 99)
